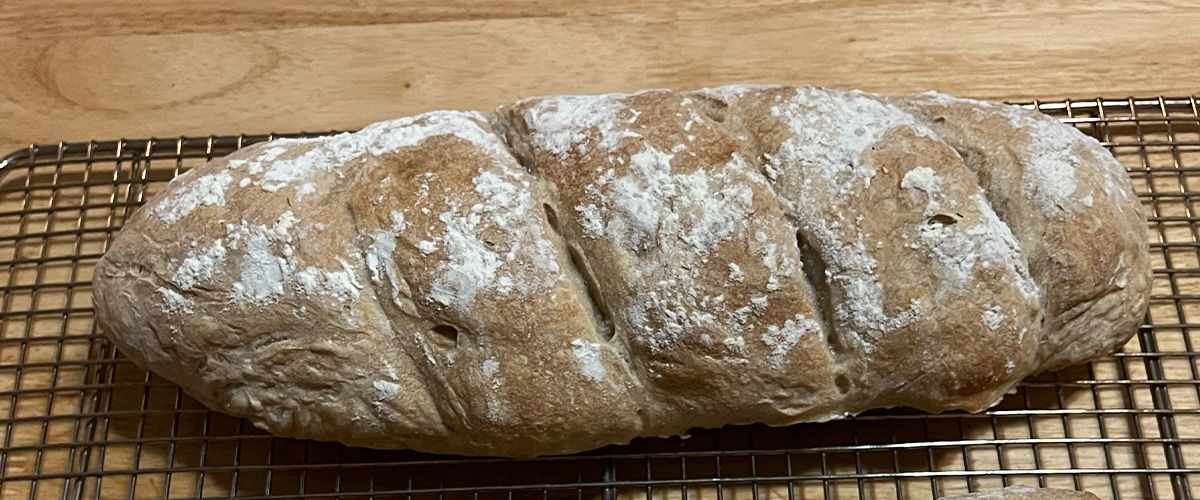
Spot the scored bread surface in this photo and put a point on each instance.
(576, 271)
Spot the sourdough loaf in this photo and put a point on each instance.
(575, 271)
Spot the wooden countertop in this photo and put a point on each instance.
(75, 70)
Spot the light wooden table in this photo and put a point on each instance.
(77, 70)
(72, 70)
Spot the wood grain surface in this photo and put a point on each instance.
(72, 70)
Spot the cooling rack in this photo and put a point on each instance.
(77, 420)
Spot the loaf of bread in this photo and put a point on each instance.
(574, 271)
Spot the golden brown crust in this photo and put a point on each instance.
(694, 257)
(929, 291)
(512, 377)
(581, 270)
(1046, 180)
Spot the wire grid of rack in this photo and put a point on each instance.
(80, 421)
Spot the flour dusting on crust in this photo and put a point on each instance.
(490, 368)
(200, 265)
(267, 267)
(381, 262)
(1050, 163)
(682, 217)
(736, 274)
(341, 283)
(208, 190)
(589, 358)
(295, 162)
(386, 390)
(564, 122)
(959, 246)
(475, 264)
(1050, 151)
(702, 208)
(781, 338)
(262, 273)
(993, 317)
(830, 131)
(923, 178)
(472, 264)
(173, 302)
(652, 202)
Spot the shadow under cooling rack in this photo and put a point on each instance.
(79, 421)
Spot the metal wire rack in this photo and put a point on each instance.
(77, 420)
